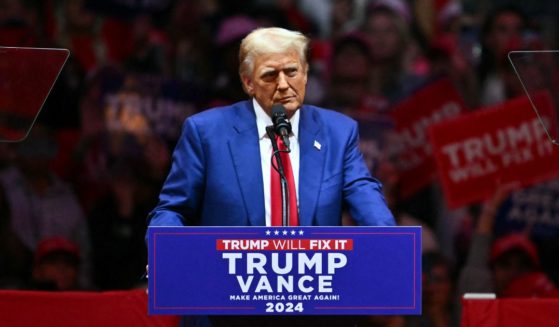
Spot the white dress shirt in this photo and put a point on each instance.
(263, 120)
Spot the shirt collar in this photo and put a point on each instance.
(263, 120)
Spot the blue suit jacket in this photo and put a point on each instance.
(216, 177)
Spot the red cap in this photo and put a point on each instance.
(56, 244)
(514, 242)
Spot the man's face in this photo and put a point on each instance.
(278, 78)
(507, 29)
(58, 270)
(384, 37)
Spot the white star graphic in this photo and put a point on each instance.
(276, 232)
(268, 232)
(293, 232)
(284, 232)
(301, 232)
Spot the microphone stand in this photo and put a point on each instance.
(283, 180)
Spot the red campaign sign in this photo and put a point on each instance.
(504, 144)
(435, 103)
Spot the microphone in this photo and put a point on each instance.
(282, 126)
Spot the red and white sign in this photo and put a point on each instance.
(504, 144)
(284, 244)
(438, 102)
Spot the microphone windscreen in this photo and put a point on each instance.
(278, 110)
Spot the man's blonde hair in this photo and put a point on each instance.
(270, 40)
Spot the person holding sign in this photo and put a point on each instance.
(223, 173)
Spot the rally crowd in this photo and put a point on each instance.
(74, 196)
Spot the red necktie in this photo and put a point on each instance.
(276, 189)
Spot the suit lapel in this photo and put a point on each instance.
(245, 152)
(312, 153)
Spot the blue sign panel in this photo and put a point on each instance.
(284, 270)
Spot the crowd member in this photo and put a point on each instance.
(390, 44)
(349, 84)
(150, 48)
(493, 266)
(437, 292)
(345, 17)
(295, 17)
(388, 173)
(502, 31)
(76, 29)
(451, 53)
(39, 203)
(191, 42)
(515, 262)
(227, 88)
(56, 265)
(333, 18)
(15, 258)
(17, 24)
(437, 297)
(117, 224)
(476, 275)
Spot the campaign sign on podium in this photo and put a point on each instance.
(284, 270)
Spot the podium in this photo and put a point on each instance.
(284, 270)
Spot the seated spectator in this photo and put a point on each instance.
(492, 266)
(150, 48)
(345, 16)
(56, 267)
(437, 292)
(15, 257)
(390, 178)
(534, 284)
(226, 85)
(392, 47)
(502, 30)
(349, 83)
(118, 225)
(516, 267)
(38, 203)
(497, 266)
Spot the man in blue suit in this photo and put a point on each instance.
(221, 166)
(221, 173)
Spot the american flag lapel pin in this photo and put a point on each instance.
(317, 145)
